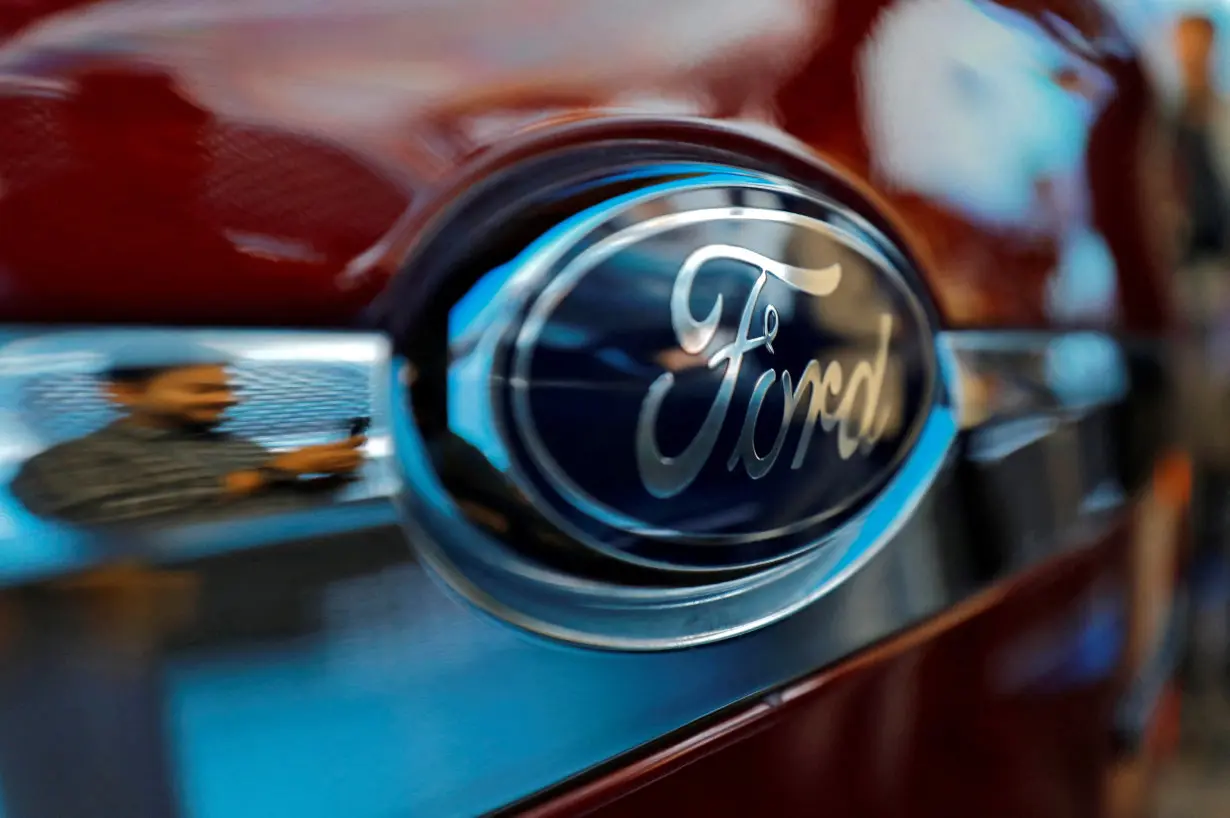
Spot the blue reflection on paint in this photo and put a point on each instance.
(1095, 650)
(963, 106)
(1086, 369)
(1085, 648)
(1085, 284)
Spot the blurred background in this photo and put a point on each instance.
(1186, 48)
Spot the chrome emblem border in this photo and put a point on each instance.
(481, 565)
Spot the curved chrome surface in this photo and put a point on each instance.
(329, 633)
(1007, 375)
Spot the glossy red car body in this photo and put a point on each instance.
(270, 163)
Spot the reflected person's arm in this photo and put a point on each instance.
(335, 459)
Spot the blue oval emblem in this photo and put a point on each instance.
(710, 373)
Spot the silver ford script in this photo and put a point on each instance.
(831, 401)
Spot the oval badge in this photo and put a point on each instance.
(710, 373)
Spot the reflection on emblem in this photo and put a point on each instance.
(699, 402)
(701, 371)
(664, 476)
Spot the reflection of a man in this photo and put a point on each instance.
(166, 455)
(1195, 43)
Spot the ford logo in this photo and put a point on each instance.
(711, 373)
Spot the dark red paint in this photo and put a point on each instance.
(127, 201)
(133, 216)
(924, 725)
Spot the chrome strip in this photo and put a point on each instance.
(1005, 375)
(1016, 395)
(1060, 430)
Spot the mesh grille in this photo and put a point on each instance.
(294, 186)
(260, 179)
(281, 402)
(32, 145)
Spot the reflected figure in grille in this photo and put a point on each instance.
(166, 455)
